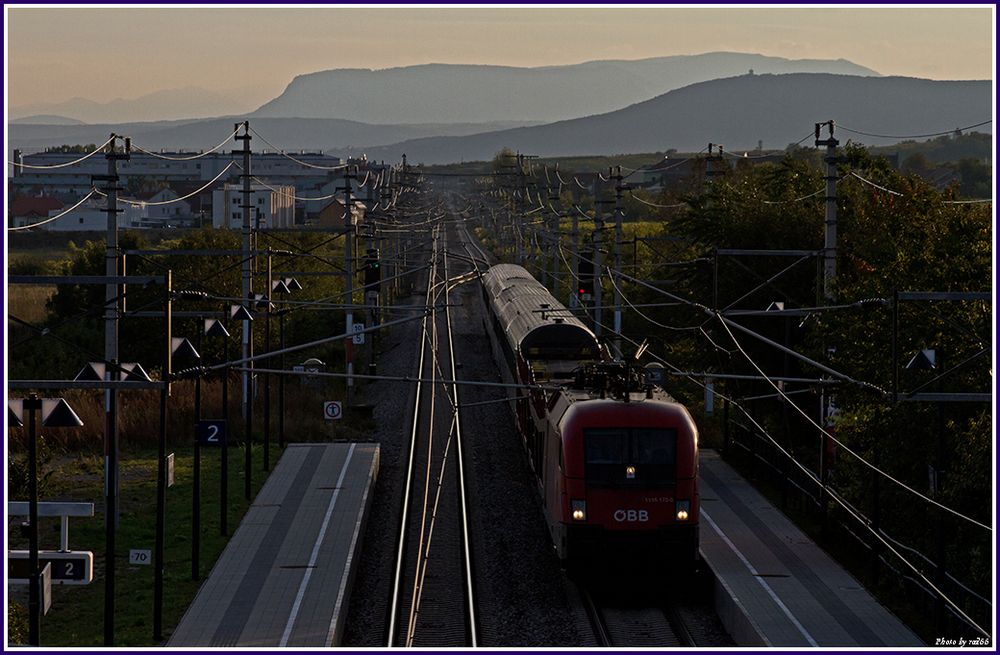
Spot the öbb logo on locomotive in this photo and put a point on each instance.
(631, 515)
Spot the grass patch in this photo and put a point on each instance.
(27, 303)
(77, 614)
(72, 468)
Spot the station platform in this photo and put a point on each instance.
(774, 587)
(285, 577)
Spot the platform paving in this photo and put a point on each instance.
(285, 577)
(774, 586)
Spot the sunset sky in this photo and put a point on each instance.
(54, 54)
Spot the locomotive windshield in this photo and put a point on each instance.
(630, 456)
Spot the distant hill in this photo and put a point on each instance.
(188, 102)
(466, 93)
(287, 133)
(737, 112)
(46, 119)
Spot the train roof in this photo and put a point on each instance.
(531, 317)
(575, 402)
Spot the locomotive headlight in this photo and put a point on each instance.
(682, 507)
(578, 508)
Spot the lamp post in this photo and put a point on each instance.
(217, 329)
(241, 313)
(196, 487)
(290, 284)
(264, 302)
(214, 328)
(56, 413)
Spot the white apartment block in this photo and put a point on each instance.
(274, 206)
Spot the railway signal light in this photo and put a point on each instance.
(373, 271)
(585, 272)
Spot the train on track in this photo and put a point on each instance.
(615, 457)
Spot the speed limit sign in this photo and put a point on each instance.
(333, 410)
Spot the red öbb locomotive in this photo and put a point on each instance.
(616, 459)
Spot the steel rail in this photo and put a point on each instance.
(401, 548)
(463, 507)
(416, 594)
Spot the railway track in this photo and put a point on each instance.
(617, 623)
(433, 593)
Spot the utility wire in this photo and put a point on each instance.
(943, 202)
(748, 156)
(698, 328)
(198, 156)
(140, 203)
(799, 199)
(285, 193)
(297, 161)
(836, 496)
(870, 183)
(68, 163)
(656, 169)
(712, 312)
(56, 217)
(48, 332)
(913, 136)
(842, 444)
(653, 204)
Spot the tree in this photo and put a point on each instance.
(503, 160)
(917, 164)
(976, 178)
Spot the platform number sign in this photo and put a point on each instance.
(212, 432)
(66, 567)
(333, 410)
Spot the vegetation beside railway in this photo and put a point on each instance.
(72, 466)
(897, 232)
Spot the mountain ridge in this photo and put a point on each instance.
(482, 92)
(740, 111)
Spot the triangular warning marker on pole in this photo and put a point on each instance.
(239, 313)
(214, 328)
(134, 372)
(183, 349)
(56, 413)
(92, 372)
(15, 410)
(925, 359)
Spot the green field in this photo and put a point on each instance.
(77, 614)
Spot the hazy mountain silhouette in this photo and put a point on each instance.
(470, 93)
(169, 104)
(45, 119)
(287, 133)
(737, 112)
